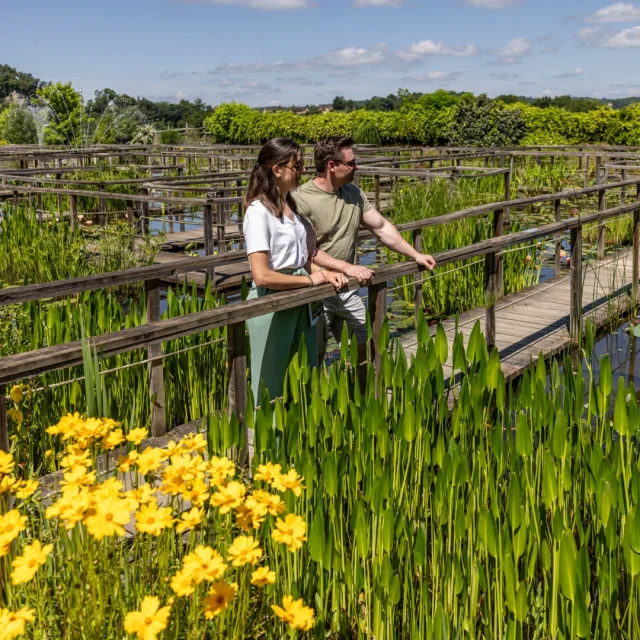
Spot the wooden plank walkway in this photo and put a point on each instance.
(536, 319)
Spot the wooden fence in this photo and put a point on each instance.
(234, 316)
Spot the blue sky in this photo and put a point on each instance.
(308, 51)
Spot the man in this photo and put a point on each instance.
(336, 209)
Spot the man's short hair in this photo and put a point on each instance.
(329, 149)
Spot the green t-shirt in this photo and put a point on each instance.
(335, 216)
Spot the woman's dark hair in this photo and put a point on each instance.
(262, 182)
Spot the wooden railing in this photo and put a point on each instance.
(234, 316)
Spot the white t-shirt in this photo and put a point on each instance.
(283, 238)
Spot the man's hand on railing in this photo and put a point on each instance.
(425, 260)
(361, 273)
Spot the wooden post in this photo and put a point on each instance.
(377, 311)
(237, 358)
(59, 196)
(417, 286)
(144, 214)
(103, 208)
(221, 218)
(575, 322)
(15, 202)
(586, 172)
(156, 373)
(556, 205)
(623, 190)
(4, 426)
(598, 170)
(73, 211)
(507, 193)
(376, 188)
(498, 227)
(207, 216)
(601, 225)
(490, 291)
(636, 248)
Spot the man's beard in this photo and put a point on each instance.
(351, 177)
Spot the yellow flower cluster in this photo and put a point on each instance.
(13, 623)
(147, 623)
(295, 613)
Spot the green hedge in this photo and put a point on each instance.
(473, 121)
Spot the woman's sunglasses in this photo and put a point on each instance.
(298, 166)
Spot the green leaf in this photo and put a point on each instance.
(317, 536)
(549, 480)
(580, 621)
(524, 443)
(408, 423)
(388, 530)
(606, 382)
(420, 546)
(440, 624)
(493, 370)
(559, 434)
(620, 417)
(568, 554)
(330, 473)
(514, 500)
(441, 345)
(521, 602)
(487, 531)
(509, 583)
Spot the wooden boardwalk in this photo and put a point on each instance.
(536, 319)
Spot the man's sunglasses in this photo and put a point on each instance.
(352, 164)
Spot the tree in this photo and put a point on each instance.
(14, 81)
(438, 100)
(482, 122)
(68, 124)
(18, 126)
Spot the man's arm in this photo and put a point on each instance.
(390, 237)
(323, 259)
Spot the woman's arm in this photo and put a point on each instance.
(263, 276)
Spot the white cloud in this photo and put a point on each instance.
(515, 50)
(181, 95)
(618, 12)
(574, 73)
(431, 48)
(504, 75)
(493, 4)
(611, 39)
(548, 93)
(355, 56)
(267, 5)
(377, 3)
(433, 76)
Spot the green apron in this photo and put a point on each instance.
(274, 339)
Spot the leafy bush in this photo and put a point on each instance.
(170, 136)
(17, 125)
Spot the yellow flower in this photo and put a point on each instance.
(137, 435)
(16, 415)
(108, 517)
(11, 524)
(190, 519)
(182, 470)
(193, 443)
(244, 550)
(143, 495)
(289, 480)
(229, 497)
(66, 426)
(196, 492)
(125, 463)
(113, 439)
(251, 514)
(263, 576)
(295, 613)
(12, 623)
(76, 457)
(290, 531)
(149, 621)
(274, 504)
(26, 488)
(16, 393)
(33, 557)
(152, 519)
(220, 469)
(220, 595)
(149, 460)
(182, 584)
(110, 488)
(203, 563)
(7, 484)
(71, 507)
(6, 463)
(267, 472)
(78, 478)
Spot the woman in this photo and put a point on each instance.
(276, 241)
